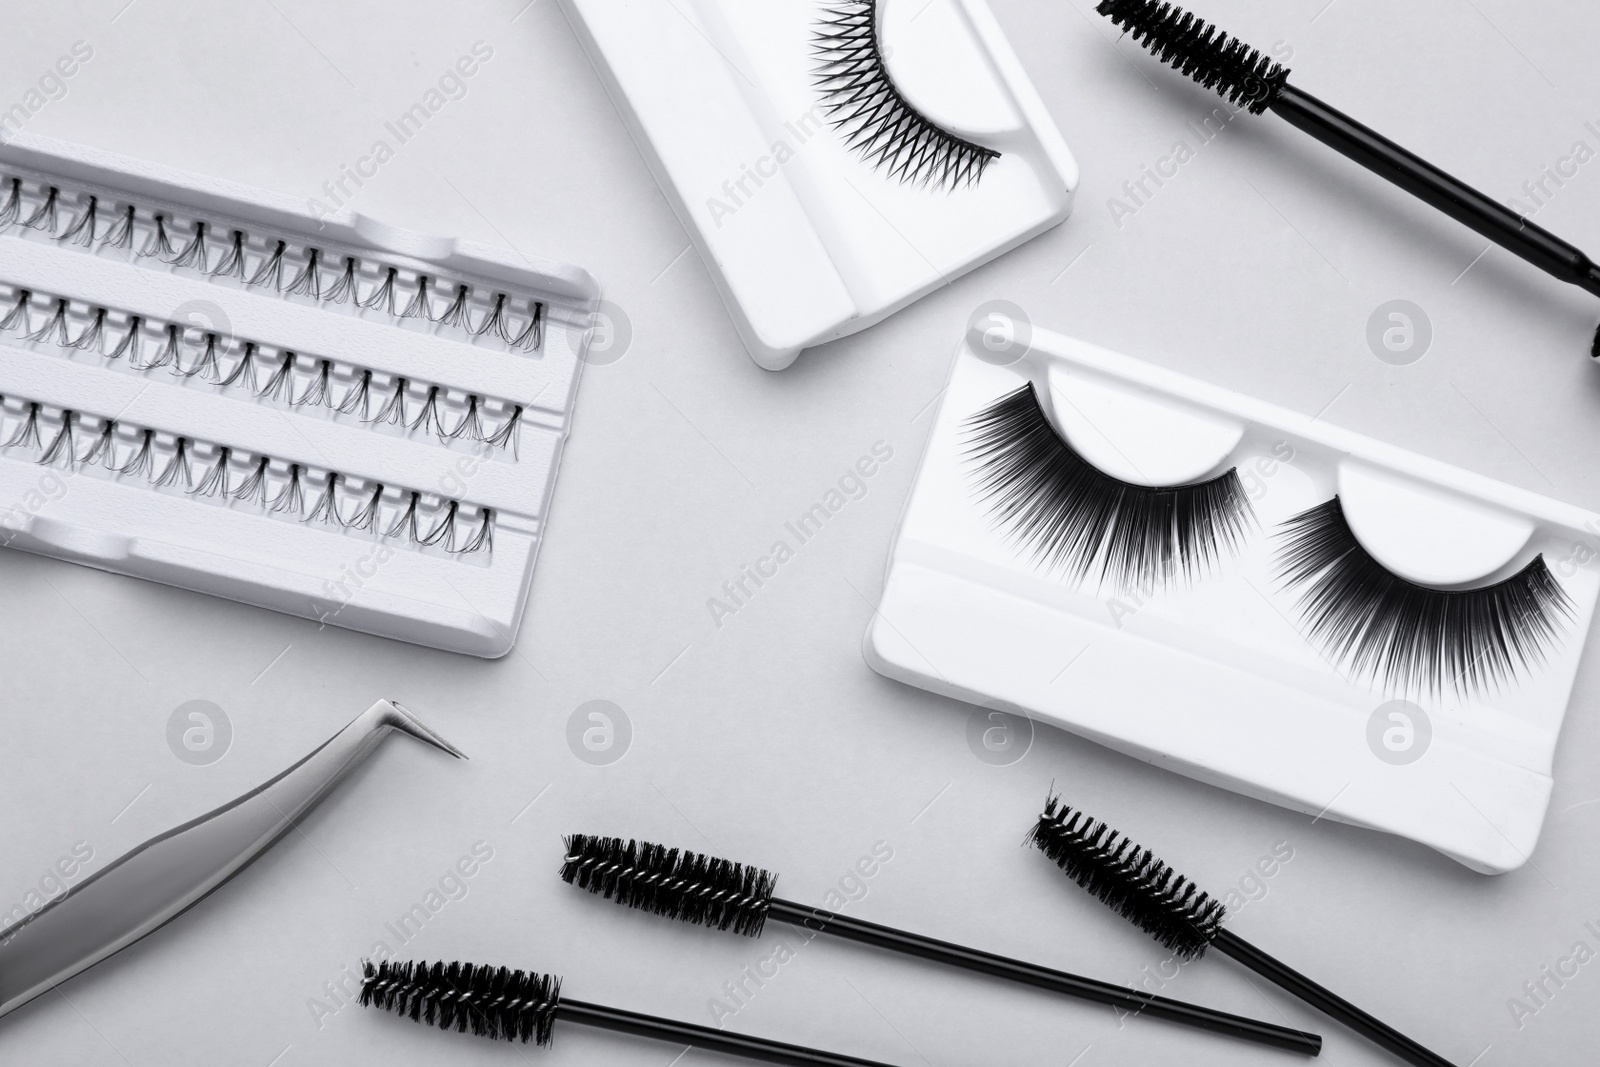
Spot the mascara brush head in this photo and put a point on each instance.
(1195, 47)
(489, 1001)
(676, 883)
(1129, 879)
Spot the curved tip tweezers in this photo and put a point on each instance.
(172, 872)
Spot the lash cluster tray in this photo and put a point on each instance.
(1216, 671)
(811, 229)
(203, 385)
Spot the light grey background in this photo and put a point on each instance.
(767, 739)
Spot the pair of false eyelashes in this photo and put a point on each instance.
(1079, 521)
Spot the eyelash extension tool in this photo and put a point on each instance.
(722, 895)
(1136, 885)
(1080, 520)
(499, 1003)
(1245, 77)
(158, 881)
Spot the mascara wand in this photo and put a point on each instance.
(1142, 889)
(732, 896)
(517, 1005)
(1245, 77)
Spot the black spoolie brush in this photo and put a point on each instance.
(1247, 78)
(732, 896)
(524, 1006)
(1154, 897)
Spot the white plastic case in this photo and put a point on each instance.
(439, 506)
(1213, 678)
(806, 241)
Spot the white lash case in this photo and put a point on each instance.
(806, 240)
(1212, 677)
(440, 500)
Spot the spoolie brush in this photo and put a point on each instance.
(1248, 79)
(1142, 889)
(523, 1006)
(725, 895)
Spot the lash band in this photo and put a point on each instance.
(1080, 520)
(1419, 638)
(874, 116)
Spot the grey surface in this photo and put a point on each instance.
(767, 739)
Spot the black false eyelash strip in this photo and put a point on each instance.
(1414, 637)
(1077, 519)
(231, 364)
(227, 253)
(86, 443)
(876, 120)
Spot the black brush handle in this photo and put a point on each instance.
(1329, 1003)
(1423, 180)
(702, 1037)
(971, 959)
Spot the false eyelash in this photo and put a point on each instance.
(309, 281)
(121, 233)
(436, 524)
(12, 208)
(194, 253)
(270, 272)
(1417, 638)
(82, 231)
(160, 244)
(231, 265)
(177, 467)
(45, 217)
(383, 295)
(420, 306)
(1078, 519)
(27, 434)
(280, 384)
(456, 313)
(519, 330)
(877, 122)
(62, 444)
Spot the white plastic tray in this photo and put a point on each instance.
(1213, 679)
(806, 240)
(453, 571)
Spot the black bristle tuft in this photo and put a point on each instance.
(1195, 47)
(678, 884)
(1129, 879)
(1594, 346)
(490, 1001)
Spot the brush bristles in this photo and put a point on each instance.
(489, 1001)
(1134, 883)
(1194, 47)
(678, 884)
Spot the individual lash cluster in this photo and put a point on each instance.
(229, 253)
(1129, 879)
(1078, 519)
(83, 442)
(145, 343)
(697, 889)
(876, 120)
(1200, 50)
(1414, 636)
(493, 1002)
